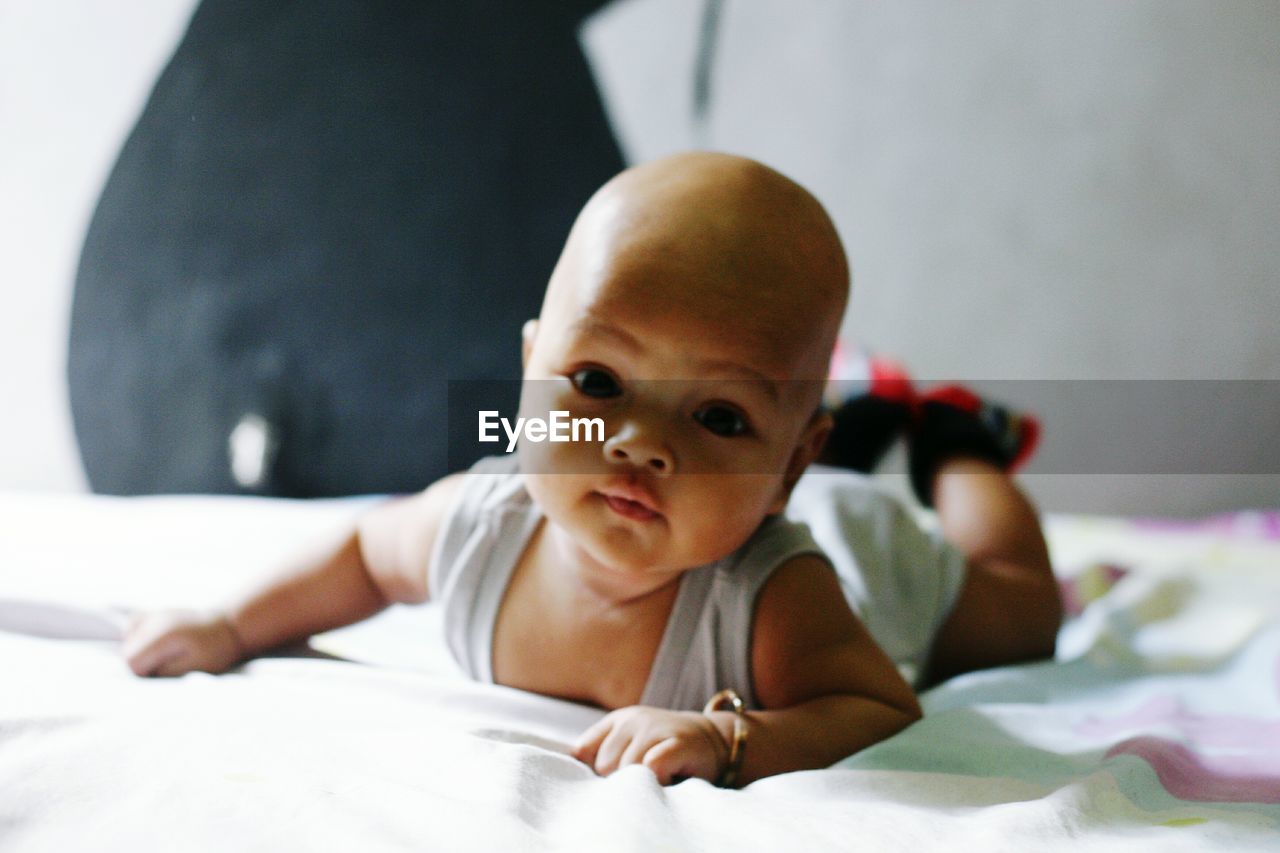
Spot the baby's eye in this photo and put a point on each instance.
(594, 382)
(721, 420)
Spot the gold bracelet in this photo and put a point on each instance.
(739, 746)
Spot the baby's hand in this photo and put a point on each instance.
(175, 642)
(670, 743)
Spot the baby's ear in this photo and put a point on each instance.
(806, 451)
(528, 334)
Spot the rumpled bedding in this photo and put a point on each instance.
(1157, 726)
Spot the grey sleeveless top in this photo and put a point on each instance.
(707, 642)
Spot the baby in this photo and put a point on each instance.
(652, 573)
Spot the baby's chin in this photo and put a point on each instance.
(630, 553)
(623, 547)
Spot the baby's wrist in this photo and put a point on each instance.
(228, 623)
(731, 726)
(722, 727)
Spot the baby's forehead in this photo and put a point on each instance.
(717, 240)
(751, 284)
(708, 320)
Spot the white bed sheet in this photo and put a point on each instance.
(1160, 725)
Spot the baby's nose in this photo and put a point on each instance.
(640, 447)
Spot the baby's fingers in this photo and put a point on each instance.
(666, 760)
(681, 758)
(619, 747)
(184, 659)
(604, 744)
(634, 751)
(153, 655)
(588, 745)
(140, 641)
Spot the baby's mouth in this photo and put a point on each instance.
(628, 508)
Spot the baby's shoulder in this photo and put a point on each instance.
(491, 506)
(805, 640)
(490, 487)
(776, 541)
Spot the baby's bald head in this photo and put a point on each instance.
(739, 242)
(716, 237)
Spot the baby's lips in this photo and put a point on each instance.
(633, 493)
(630, 509)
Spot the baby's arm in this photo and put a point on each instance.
(382, 560)
(1008, 609)
(826, 688)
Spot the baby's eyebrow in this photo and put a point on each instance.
(750, 375)
(592, 326)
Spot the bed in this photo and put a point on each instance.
(1158, 725)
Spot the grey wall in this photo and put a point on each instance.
(1028, 190)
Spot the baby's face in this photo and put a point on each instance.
(707, 380)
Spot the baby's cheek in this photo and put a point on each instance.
(543, 488)
(563, 498)
(560, 458)
(719, 515)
